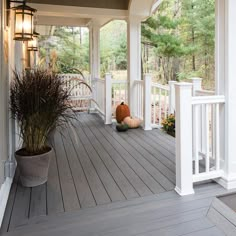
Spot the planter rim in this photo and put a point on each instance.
(32, 156)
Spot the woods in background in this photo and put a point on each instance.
(177, 44)
(178, 41)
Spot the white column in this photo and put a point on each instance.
(94, 44)
(197, 84)
(226, 85)
(172, 97)
(108, 98)
(184, 165)
(147, 113)
(134, 57)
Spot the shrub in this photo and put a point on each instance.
(169, 124)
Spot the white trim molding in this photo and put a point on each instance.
(228, 183)
(4, 193)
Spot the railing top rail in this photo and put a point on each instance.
(208, 100)
(204, 92)
(138, 81)
(100, 80)
(164, 87)
(119, 82)
(70, 74)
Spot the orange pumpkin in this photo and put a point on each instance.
(133, 123)
(122, 111)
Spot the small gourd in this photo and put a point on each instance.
(122, 127)
(133, 123)
(122, 111)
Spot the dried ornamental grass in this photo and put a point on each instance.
(39, 103)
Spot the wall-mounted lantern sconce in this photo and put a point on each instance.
(33, 44)
(24, 21)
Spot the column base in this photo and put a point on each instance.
(9, 169)
(184, 193)
(227, 183)
(147, 128)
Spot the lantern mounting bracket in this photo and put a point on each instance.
(15, 1)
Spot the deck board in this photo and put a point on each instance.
(54, 195)
(136, 185)
(147, 184)
(120, 179)
(163, 214)
(20, 212)
(69, 194)
(108, 182)
(84, 192)
(163, 170)
(95, 184)
(38, 201)
(94, 165)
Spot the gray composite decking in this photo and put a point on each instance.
(94, 165)
(106, 183)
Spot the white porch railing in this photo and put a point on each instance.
(160, 103)
(119, 94)
(206, 132)
(139, 99)
(80, 94)
(153, 101)
(98, 86)
(108, 94)
(198, 145)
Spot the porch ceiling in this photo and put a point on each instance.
(52, 12)
(84, 12)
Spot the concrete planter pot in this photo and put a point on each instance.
(33, 169)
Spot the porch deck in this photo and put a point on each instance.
(94, 165)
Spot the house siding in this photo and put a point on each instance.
(3, 90)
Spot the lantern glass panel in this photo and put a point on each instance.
(33, 44)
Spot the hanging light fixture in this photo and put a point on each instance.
(33, 44)
(24, 22)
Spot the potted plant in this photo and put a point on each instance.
(39, 103)
(169, 125)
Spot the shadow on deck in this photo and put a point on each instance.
(94, 165)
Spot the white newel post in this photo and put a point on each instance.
(226, 85)
(134, 57)
(147, 112)
(172, 97)
(108, 99)
(197, 84)
(184, 174)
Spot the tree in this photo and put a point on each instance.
(181, 34)
(68, 49)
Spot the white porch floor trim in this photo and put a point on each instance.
(228, 183)
(4, 194)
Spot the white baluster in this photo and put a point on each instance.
(172, 97)
(217, 137)
(159, 123)
(147, 112)
(207, 156)
(165, 104)
(108, 97)
(196, 137)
